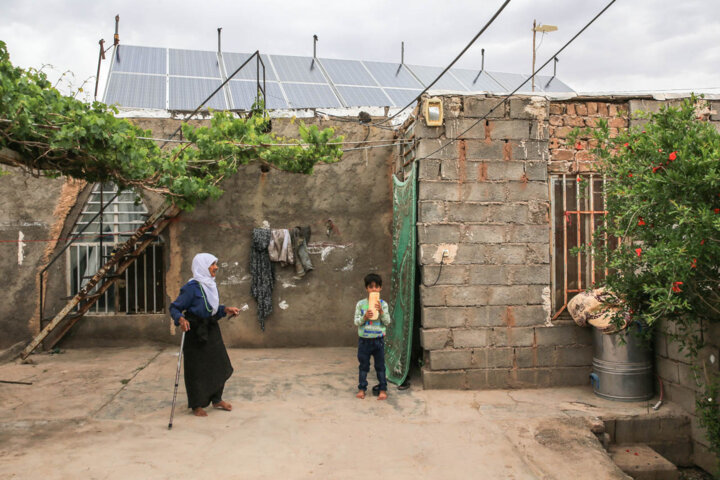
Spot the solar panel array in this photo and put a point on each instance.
(173, 79)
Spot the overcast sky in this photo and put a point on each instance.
(659, 45)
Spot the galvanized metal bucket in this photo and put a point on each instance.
(622, 367)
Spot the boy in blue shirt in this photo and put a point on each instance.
(371, 333)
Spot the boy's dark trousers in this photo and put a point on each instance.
(374, 347)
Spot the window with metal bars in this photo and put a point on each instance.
(578, 211)
(141, 288)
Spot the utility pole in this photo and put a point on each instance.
(538, 28)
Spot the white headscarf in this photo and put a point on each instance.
(201, 274)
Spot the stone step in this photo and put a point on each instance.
(642, 462)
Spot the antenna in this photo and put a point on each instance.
(555, 60)
(482, 65)
(219, 37)
(315, 40)
(402, 57)
(116, 37)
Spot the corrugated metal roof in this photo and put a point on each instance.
(172, 79)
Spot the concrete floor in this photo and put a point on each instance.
(103, 414)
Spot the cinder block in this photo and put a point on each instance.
(681, 395)
(467, 295)
(423, 131)
(431, 212)
(442, 317)
(529, 108)
(532, 378)
(484, 234)
(450, 380)
(525, 315)
(489, 213)
(478, 107)
(434, 339)
(508, 295)
(486, 316)
(432, 296)
(477, 379)
(526, 357)
(505, 170)
(528, 234)
(660, 344)
(442, 191)
(486, 274)
(493, 357)
(500, 378)
(512, 337)
(536, 170)
(484, 150)
(492, 254)
(530, 150)
(689, 377)
(436, 148)
(538, 253)
(469, 337)
(465, 128)
(573, 356)
(450, 359)
(667, 369)
(439, 233)
(512, 129)
(524, 191)
(535, 294)
(429, 169)
(570, 376)
(450, 169)
(529, 274)
(445, 275)
(559, 335)
(484, 192)
(704, 458)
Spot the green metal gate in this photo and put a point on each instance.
(399, 336)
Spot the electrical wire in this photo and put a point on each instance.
(487, 25)
(507, 97)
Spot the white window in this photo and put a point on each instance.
(140, 288)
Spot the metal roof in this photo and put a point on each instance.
(173, 79)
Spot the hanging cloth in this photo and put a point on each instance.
(263, 274)
(280, 248)
(300, 239)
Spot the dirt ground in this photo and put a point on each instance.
(103, 414)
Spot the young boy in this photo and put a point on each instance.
(371, 330)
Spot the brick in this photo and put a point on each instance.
(519, 191)
(592, 108)
(452, 380)
(557, 108)
(556, 120)
(432, 296)
(439, 233)
(524, 315)
(478, 107)
(486, 275)
(470, 338)
(445, 275)
(486, 316)
(667, 370)
(581, 109)
(431, 212)
(449, 191)
(570, 109)
(528, 274)
(467, 295)
(429, 169)
(536, 171)
(434, 339)
(484, 192)
(528, 108)
(443, 317)
(618, 122)
(484, 150)
(603, 109)
(563, 154)
(512, 336)
(574, 121)
(450, 359)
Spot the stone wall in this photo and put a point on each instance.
(485, 315)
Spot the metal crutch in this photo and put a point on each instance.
(177, 380)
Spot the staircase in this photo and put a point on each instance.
(125, 255)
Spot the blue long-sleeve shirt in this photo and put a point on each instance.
(191, 299)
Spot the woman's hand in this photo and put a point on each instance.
(184, 324)
(232, 311)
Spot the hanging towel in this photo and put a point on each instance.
(263, 274)
(280, 248)
(300, 239)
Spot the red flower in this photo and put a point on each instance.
(626, 145)
(630, 175)
(717, 210)
(702, 242)
(641, 222)
(655, 169)
(673, 156)
(694, 263)
(676, 287)
(638, 251)
(659, 149)
(578, 146)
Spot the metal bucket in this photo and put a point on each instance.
(622, 371)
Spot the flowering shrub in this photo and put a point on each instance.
(663, 202)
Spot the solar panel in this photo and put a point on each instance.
(392, 75)
(187, 93)
(402, 96)
(511, 81)
(132, 59)
(234, 60)
(484, 82)
(297, 69)
(428, 74)
(306, 95)
(550, 84)
(243, 95)
(194, 63)
(138, 91)
(347, 72)
(364, 96)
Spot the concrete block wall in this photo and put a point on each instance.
(485, 314)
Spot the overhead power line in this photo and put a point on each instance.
(507, 97)
(502, 7)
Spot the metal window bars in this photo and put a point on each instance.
(578, 210)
